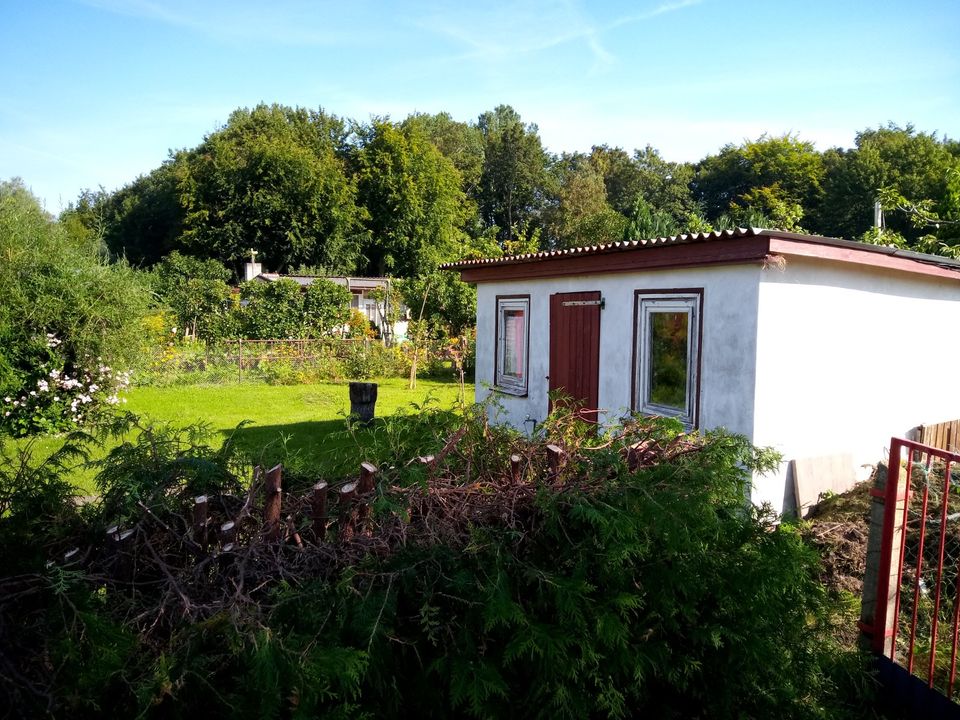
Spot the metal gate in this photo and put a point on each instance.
(916, 618)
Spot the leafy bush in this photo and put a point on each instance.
(283, 309)
(196, 291)
(65, 313)
(61, 401)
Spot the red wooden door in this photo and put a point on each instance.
(575, 348)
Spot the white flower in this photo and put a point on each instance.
(33, 393)
(6, 399)
(94, 388)
(7, 414)
(56, 398)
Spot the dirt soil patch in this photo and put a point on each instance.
(838, 527)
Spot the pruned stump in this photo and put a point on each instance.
(363, 401)
(228, 534)
(515, 471)
(318, 510)
(200, 520)
(271, 510)
(120, 546)
(368, 471)
(292, 534)
(556, 459)
(348, 494)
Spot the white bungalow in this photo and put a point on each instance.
(821, 348)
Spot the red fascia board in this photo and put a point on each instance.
(799, 248)
(721, 252)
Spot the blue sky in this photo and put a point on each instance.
(95, 92)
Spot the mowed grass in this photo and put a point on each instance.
(303, 425)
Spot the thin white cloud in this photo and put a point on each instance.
(296, 23)
(498, 34)
(659, 10)
(502, 33)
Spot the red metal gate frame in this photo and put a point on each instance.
(892, 549)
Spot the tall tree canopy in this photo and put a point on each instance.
(307, 189)
(580, 214)
(778, 177)
(514, 184)
(416, 208)
(915, 165)
(271, 179)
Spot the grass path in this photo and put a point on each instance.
(224, 406)
(290, 423)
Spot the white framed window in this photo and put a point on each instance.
(667, 352)
(513, 344)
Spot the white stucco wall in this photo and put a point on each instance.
(848, 356)
(728, 343)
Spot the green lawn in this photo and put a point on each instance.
(296, 424)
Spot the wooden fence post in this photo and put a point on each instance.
(881, 575)
(271, 510)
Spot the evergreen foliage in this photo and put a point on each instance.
(622, 587)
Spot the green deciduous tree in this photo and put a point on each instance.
(415, 206)
(460, 142)
(514, 184)
(580, 214)
(271, 179)
(283, 309)
(779, 177)
(326, 306)
(141, 222)
(196, 291)
(441, 300)
(897, 161)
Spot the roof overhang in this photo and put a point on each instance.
(729, 247)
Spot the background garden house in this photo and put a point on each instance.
(370, 295)
(820, 348)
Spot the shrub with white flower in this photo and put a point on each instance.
(63, 398)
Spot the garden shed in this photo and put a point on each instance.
(821, 348)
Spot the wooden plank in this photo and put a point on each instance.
(943, 435)
(816, 476)
(575, 347)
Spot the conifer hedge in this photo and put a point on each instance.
(636, 581)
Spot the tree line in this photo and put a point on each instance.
(316, 193)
